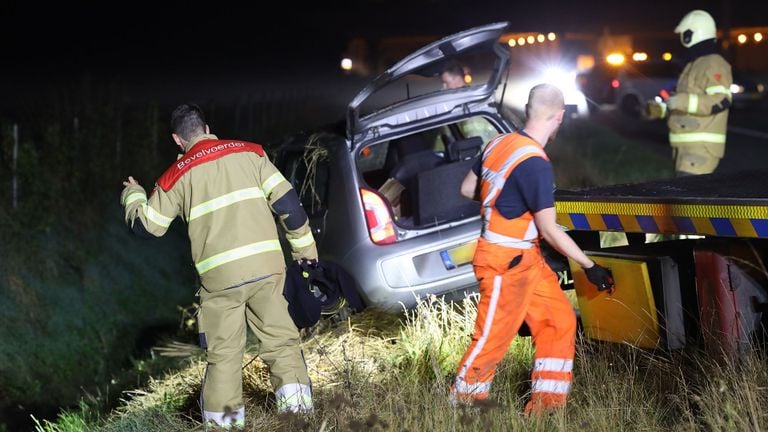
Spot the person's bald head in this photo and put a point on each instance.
(545, 102)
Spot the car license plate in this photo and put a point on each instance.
(459, 255)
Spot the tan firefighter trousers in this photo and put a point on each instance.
(222, 319)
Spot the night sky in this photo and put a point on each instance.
(162, 40)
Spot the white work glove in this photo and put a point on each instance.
(655, 109)
(678, 102)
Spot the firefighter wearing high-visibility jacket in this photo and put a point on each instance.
(698, 110)
(226, 191)
(516, 284)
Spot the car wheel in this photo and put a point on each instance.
(630, 106)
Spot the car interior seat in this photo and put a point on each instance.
(437, 193)
(415, 154)
(463, 149)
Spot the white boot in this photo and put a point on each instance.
(226, 420)
(294, 398)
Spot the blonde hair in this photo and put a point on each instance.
(545, 101)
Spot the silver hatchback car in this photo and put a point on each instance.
(381, 188)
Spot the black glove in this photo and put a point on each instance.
(308, 265)
(600, 276)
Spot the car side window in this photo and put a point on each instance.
(478, 126)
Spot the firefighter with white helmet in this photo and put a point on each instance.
(697, 113)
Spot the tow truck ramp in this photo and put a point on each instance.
(708, 291)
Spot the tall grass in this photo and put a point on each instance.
(392, 372)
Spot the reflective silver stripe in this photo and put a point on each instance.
(486, 328)
(226, 419)
(136, 196)
(697, 137)
(303, 241)
(693, 103)
(507, 241)
(552, 364)
(294, 398)
(551, 386)
(718, 89)
(235, 254)
(493, 143)
(225, 200)
(271, 182)
(497, 179)
(463, 387)
(155, 216)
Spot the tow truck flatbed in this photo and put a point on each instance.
(723, 205)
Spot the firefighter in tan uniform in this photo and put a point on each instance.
(227, 191)
(698, 111)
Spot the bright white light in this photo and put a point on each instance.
(521, 41)
(346, 64)
(640, 56)
(516, 93)
(555, 75)
(758, 37)
(512, 42)
(530, 39)
(742, 38)
(551, 36)
(735, 88)
(540, 38)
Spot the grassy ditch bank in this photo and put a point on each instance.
(385, 372)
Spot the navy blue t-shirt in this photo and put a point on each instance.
(530, 187)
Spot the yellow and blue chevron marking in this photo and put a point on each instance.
(708, 220)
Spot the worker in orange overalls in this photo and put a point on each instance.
(516, 189)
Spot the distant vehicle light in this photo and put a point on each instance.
(530, 39)
(640, 56)
(667, 56)
(540, 38)
(468, 78)
(521, 41)
(735, 88)
(346, 64)
(511, 42)
(551, 36)
(615, 59)
(760, 88)
(615, 83)
(742, 38)
(585, 62)
(758, 37)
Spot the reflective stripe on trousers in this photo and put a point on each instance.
(222, 320)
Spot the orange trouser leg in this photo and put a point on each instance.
(552, 321)
(504, 297)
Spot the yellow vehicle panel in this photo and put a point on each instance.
(627, 313)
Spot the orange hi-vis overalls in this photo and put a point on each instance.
(516, 284)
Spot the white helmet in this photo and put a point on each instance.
(696, 26)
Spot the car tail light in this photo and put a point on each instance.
(615, 83)
(377, 216)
